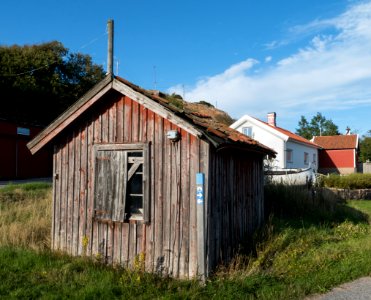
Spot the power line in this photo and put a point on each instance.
(28, 72)
(48, 65)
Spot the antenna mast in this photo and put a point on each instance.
(154, 77)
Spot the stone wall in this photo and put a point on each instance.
(347, 194)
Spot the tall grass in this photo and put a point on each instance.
(310, 244)
(25, 215)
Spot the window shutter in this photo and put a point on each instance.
(110, 185)
(103, 182)
(119, 185)
(146, 194)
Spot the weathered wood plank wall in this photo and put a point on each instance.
(169, 240)
(236, 203)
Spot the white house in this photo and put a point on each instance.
(293, 151)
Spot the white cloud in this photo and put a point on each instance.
(332, 72)
(268, 59)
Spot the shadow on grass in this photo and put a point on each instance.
(303, 206)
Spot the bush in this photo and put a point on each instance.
(352, 181)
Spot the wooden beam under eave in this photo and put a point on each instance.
(65, 119)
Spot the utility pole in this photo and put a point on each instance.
(110, 48)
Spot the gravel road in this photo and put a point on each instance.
(359, 289)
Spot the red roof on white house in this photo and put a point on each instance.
(291, 135)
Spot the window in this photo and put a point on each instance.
(306, 158)
(314, 158)
(289, 156)
(247, 131)
(121, 189)
(23, 131)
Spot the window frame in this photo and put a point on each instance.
(306, 158)
(291, 160)
(248, 129)
(123, 217)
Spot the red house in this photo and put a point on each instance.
(338, 153)
(16, 161)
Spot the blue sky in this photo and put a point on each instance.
(294, 57)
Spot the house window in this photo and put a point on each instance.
(289, 155)
(314, 158)
(306, 158)
(247, 131)
(23, 131)
(121, 188)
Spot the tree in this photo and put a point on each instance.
(365, 147)
(43, 78)
(318, 126)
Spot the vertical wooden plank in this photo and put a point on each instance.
(150, 238)
(135, 122)
(144, 124)
(167, 216)
(204, 167)
(110, 242)
(105, 126)
(84, 239)
(125, 244)
(89, 228)
(138, 240)
(112, 137)
(112, 119)
(176, 205)
(57, 173)
(159, 258)
(120, 120)
(64, 198)
(194, 168)
(70, 188)
(210, 215)
(185, 205)
(103, 227)
(55, 162)
(76, 193)
(132, 242)
(97, 132)
(128, 119)
(117, 243)
(146, 191)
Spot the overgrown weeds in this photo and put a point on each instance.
(25, 215)
(351, 181)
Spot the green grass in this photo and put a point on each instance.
(17, 192)
(300, 252)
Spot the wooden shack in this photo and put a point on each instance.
(136, 176)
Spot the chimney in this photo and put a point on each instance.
(110, 48)
(272, 119)
(347, 131)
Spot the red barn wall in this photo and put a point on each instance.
(341, 161)
(16, 161)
